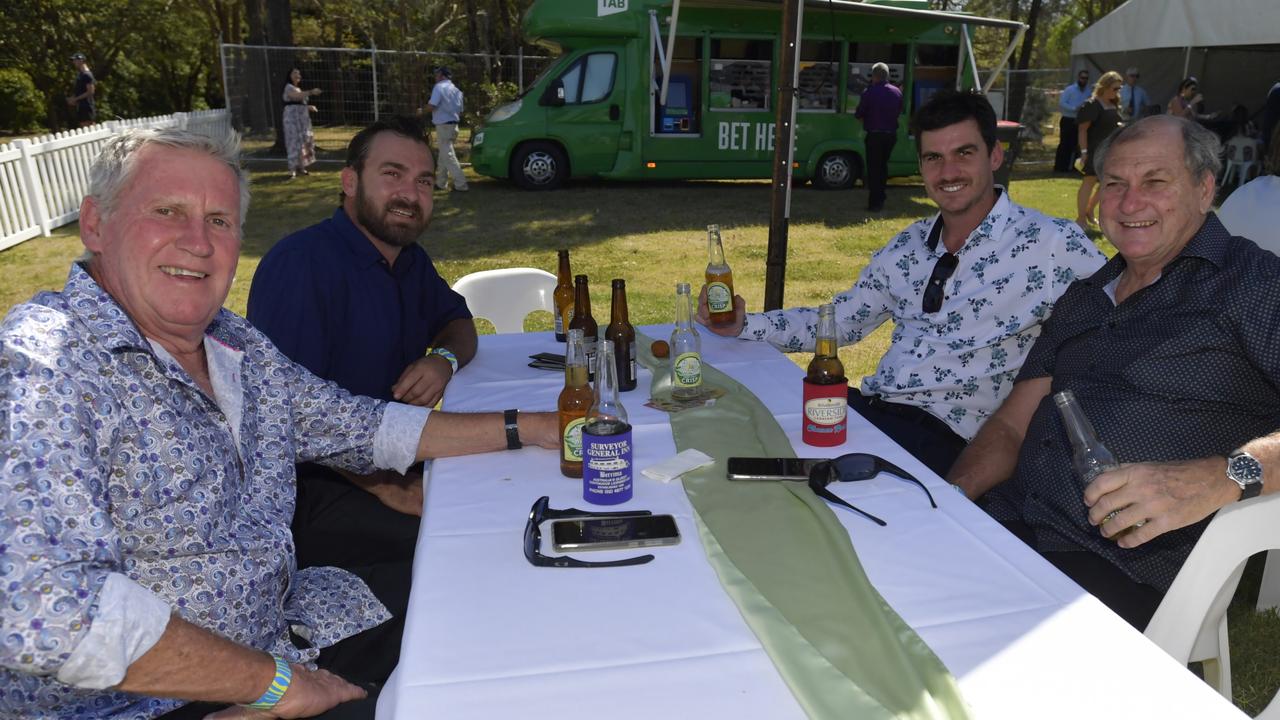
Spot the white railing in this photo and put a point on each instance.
(43, 179)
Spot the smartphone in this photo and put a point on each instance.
(614, 533)
(758, 468)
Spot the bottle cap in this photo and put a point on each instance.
(682, 288)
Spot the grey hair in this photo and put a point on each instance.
(115, 165)
(880, 70)
(1201, 148)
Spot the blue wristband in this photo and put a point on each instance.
(447, 355)
(279, 684)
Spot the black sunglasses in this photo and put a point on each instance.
(541, 512)
(852, 467)
(933, 292)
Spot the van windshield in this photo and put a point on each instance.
(538, 80)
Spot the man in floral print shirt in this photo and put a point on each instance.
(966, 290)
(147, 447)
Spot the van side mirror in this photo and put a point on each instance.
(553, 95)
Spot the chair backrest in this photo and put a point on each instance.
(1241, 148)
(504, 297)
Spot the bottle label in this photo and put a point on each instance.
(606, 468)
(719, 298)
(687, 370)
(559, 324)
(631, 370)
(589, 347)
(826, 410)
(572, 442)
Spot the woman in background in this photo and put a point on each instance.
(1184, 103)
(1095, 121)
(299, 140)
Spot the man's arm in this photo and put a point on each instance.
(191, 663)
(423, 382)
(991, 456)
(452, 434)
(1167, 496)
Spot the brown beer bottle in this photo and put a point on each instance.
(623, 337)
(825, 368)
(572, 406)
(563, 297)
(583, 321)
(719, 281)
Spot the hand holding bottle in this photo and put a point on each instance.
(732, 329)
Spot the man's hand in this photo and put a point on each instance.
(739, 315)
(539, 428)
(402, 493)
(311, 693)
(423, 382)
(1159, 496)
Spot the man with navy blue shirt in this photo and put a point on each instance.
(878, 110)
(1073, 96)
(356, 300)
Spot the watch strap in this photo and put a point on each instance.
(447, 355)
(512, 428)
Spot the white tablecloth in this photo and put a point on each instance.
(490, 636)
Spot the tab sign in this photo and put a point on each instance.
(610, 7)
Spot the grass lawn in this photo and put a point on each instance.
(653, 235)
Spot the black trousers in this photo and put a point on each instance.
(1131, 600)
(1068, 145)
(879, 146)
(926, 437)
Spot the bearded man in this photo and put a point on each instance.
(356, 300)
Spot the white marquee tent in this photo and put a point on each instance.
(1231, 46)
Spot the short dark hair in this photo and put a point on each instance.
(401, 125)
(948, 107)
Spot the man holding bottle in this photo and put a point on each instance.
(1173, 353)
(966, 290)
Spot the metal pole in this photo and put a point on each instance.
(520, 68)
(222, 59)
(373, 52)
(671, 46)
(780, 190)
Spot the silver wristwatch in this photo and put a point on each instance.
(1244, 470)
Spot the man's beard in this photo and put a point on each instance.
(375, 220)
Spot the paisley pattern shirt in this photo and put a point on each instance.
(957, 363)
(115, 464)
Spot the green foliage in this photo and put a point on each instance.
(20, 104)
(482, 98)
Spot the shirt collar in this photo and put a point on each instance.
(1211, 242)
(999, 212)
(359, 244)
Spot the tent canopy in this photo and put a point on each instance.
(1231, 46)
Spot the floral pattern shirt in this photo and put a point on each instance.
(957, 363)
(116, 469)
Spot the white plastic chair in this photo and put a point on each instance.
(1191, 622)
(504, 297)
(1242, 160)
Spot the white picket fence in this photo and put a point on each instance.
(43, 179)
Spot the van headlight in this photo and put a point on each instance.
(505, 111)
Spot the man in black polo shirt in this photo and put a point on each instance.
(1173, 351)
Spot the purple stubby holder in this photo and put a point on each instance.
(606, 467)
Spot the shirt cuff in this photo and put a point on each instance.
(395, 444)
(129, 621)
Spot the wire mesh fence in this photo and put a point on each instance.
(358, 86)
(1031, 96)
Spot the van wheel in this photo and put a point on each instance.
(837, 171)
(539, 166)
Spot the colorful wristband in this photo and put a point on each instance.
(279, 684)
(447, 355)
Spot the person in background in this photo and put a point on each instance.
(1253, 210)
(1173, 352)
(1185, 104)
(1073, 96)
(966, 290)
(1271, 119)
(878, 110)
(299, 140)
(82, 97)
(1133, 98)
(445, 107)
(1097, 119)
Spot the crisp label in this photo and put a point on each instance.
(719, 298)
(687, 370)
(826, 411)
(572, 443)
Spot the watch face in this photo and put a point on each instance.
(1244, 469)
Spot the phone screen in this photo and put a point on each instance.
(613, 533)
(745, 468)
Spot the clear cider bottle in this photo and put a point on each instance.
(606, 439)
(719, 281)
(686, 350)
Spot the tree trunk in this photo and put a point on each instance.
(257, 106)
(279, 32)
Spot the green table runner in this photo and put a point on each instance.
(790, 567)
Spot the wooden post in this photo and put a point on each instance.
(783, 146)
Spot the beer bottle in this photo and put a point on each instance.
(686, 350)
(563, 297)
(583, 321)
(1089, 456)
(572, 405)
(826, 390)
(622, 335)
(606, 438)
(719, 281)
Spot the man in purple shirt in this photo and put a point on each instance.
(879, 109)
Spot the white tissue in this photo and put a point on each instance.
(677, 465)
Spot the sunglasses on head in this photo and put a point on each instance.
(541, 512)
(933, 291)
(853, 467)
